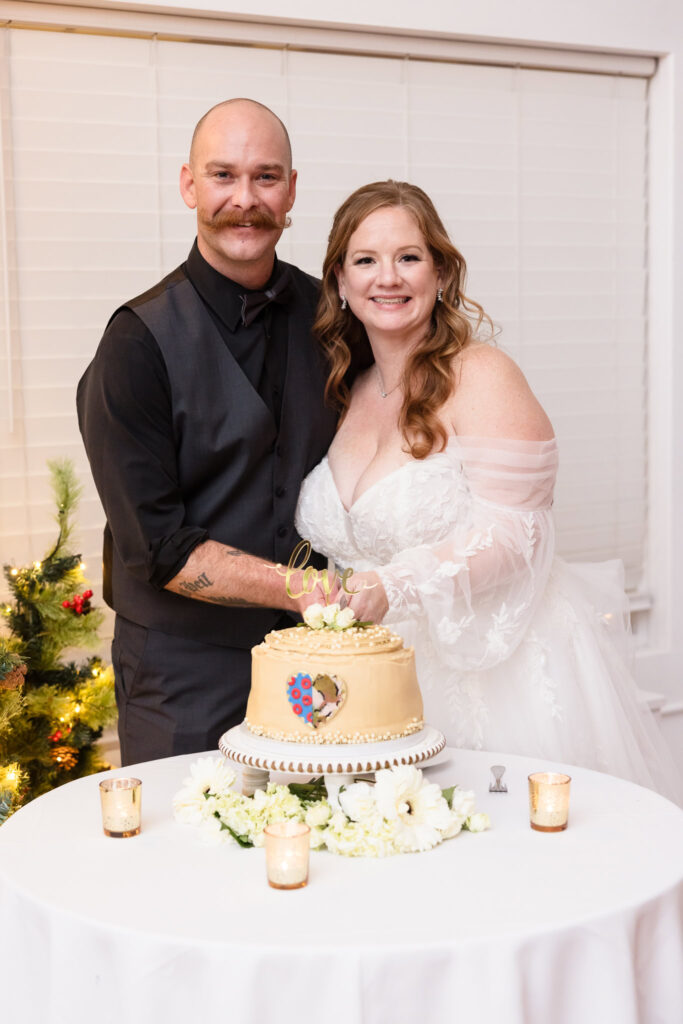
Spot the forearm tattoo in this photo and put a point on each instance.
(231, 602)
(200, 583)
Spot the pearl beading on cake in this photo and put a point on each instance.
(335, 737)
(368, 639)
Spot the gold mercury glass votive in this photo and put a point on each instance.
(549, 801)
(121, 806)
(287, 845)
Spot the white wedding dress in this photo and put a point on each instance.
(517, 651)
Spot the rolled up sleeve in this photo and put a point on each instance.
(126, 420)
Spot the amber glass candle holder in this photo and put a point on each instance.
(121, 805)
(549, 801)
(287, 845)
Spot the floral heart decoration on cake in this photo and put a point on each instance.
(317, 700)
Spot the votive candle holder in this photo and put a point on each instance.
(121, 807)
(549, 801)
(287, 845)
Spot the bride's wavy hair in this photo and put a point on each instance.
(428, 375)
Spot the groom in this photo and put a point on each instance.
(201, 413)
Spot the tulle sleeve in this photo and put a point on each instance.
(476, 591)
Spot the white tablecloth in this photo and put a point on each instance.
(509, 926)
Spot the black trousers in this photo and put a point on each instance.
(175, 695)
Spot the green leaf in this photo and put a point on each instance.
(447, 794)
(243, 841)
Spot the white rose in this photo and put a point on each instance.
(478, 822)
(462, 802)
(454, 828)
(358, 801)
(211, 833)
(345, 618)
(330, 613)
(314, 616)
(318, 814)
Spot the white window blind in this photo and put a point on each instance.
(539, 175)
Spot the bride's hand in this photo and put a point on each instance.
(369, 603)
(319, 596)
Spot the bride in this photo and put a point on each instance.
(438, 489)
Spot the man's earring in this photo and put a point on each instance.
(344, 303)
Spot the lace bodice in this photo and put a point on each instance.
(388, 517)
(462, 540)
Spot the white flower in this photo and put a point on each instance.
(360, 838)
(454, 828)
(462, 802)
(318, 838)
(188, 807)
(345, 618)
(211, 833)
(330, 613)
(401, 813)
(330, 616)
(281, 804)
(313, 616)
(209, 775)
(416, 806)
(357, 801)
(318, 814)
(478, 822)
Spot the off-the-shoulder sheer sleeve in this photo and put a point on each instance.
(476, 591)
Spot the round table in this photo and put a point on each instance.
(508, 926)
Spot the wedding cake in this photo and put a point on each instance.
(343, 684)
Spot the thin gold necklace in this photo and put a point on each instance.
(382, 391)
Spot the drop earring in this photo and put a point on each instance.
(344, 303)
(439, 295)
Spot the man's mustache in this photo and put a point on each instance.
(238, 218)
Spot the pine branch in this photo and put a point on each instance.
(67, 492)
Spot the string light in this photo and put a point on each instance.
(14, 572)
(37, 565)
(95, 672)
(82, 566)
(11, 775)
(78, 708)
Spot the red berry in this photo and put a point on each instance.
(66, 604)
(87, 594)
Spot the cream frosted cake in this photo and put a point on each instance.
(334, 685)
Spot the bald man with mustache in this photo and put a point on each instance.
(201, 413)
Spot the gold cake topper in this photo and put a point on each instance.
(312, 576)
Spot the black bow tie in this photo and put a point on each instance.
(254, 302)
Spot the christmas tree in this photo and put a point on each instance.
(51, 712)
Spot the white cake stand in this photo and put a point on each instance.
(339, 763)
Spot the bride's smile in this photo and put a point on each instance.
(388, 276)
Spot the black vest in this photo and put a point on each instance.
(240, 477)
